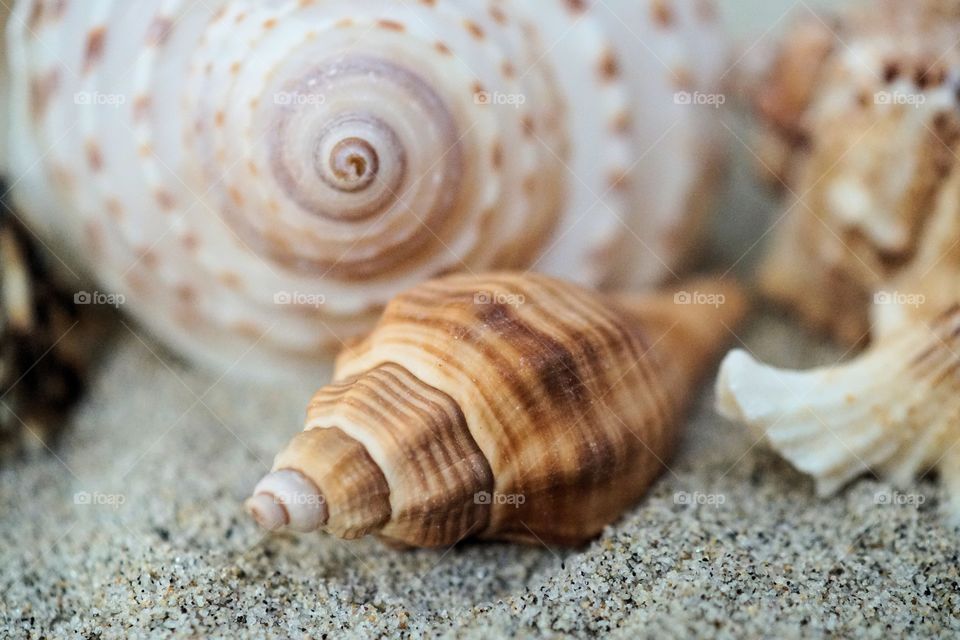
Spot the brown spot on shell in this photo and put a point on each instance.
(191, 242)
(230, 280)
(165, 199)
(94, 155)
(619, 179)
(147, 257)
(141, 107)
(114, 208)
(576, 6)
(442, 48)
(529, 127)
(186, 294)
(622, 123)
(609, 67)
(662, 13)
(391, 25)
(159, 31)
(707, 11)
(474, 29)
(683, 79)
(93, 52)
(498, 15)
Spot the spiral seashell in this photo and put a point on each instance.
(259, 178)
(864, 105)
(894, 410)
(503, 407)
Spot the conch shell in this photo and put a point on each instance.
(510, 407)
(863, 132)
(259, 178)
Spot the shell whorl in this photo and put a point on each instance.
(504, 406)
(215, 157)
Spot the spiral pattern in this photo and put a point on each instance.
(266, 175)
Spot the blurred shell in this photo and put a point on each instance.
(499, 407)
(259, 178)
(863, 130)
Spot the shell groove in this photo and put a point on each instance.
(502, 406)
(260, 178)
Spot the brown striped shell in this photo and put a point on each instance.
(259, 177)
(513, 407)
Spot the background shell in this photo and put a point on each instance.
(861, 114)
(212, 161)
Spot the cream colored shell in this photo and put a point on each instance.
(862, 113)
(258, 178)
(499, 407)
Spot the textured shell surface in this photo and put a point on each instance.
(260, 178)
(863, 105)
(512, 407)
(893, 411)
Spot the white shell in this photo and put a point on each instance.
(895, 410)
(259, 177)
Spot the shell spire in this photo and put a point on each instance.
(512, 407)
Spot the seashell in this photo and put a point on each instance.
(863, 106)
(893, 410)
(259, 178)
(509, 407)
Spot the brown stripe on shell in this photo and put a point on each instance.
(546, 364)
(433, 466)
